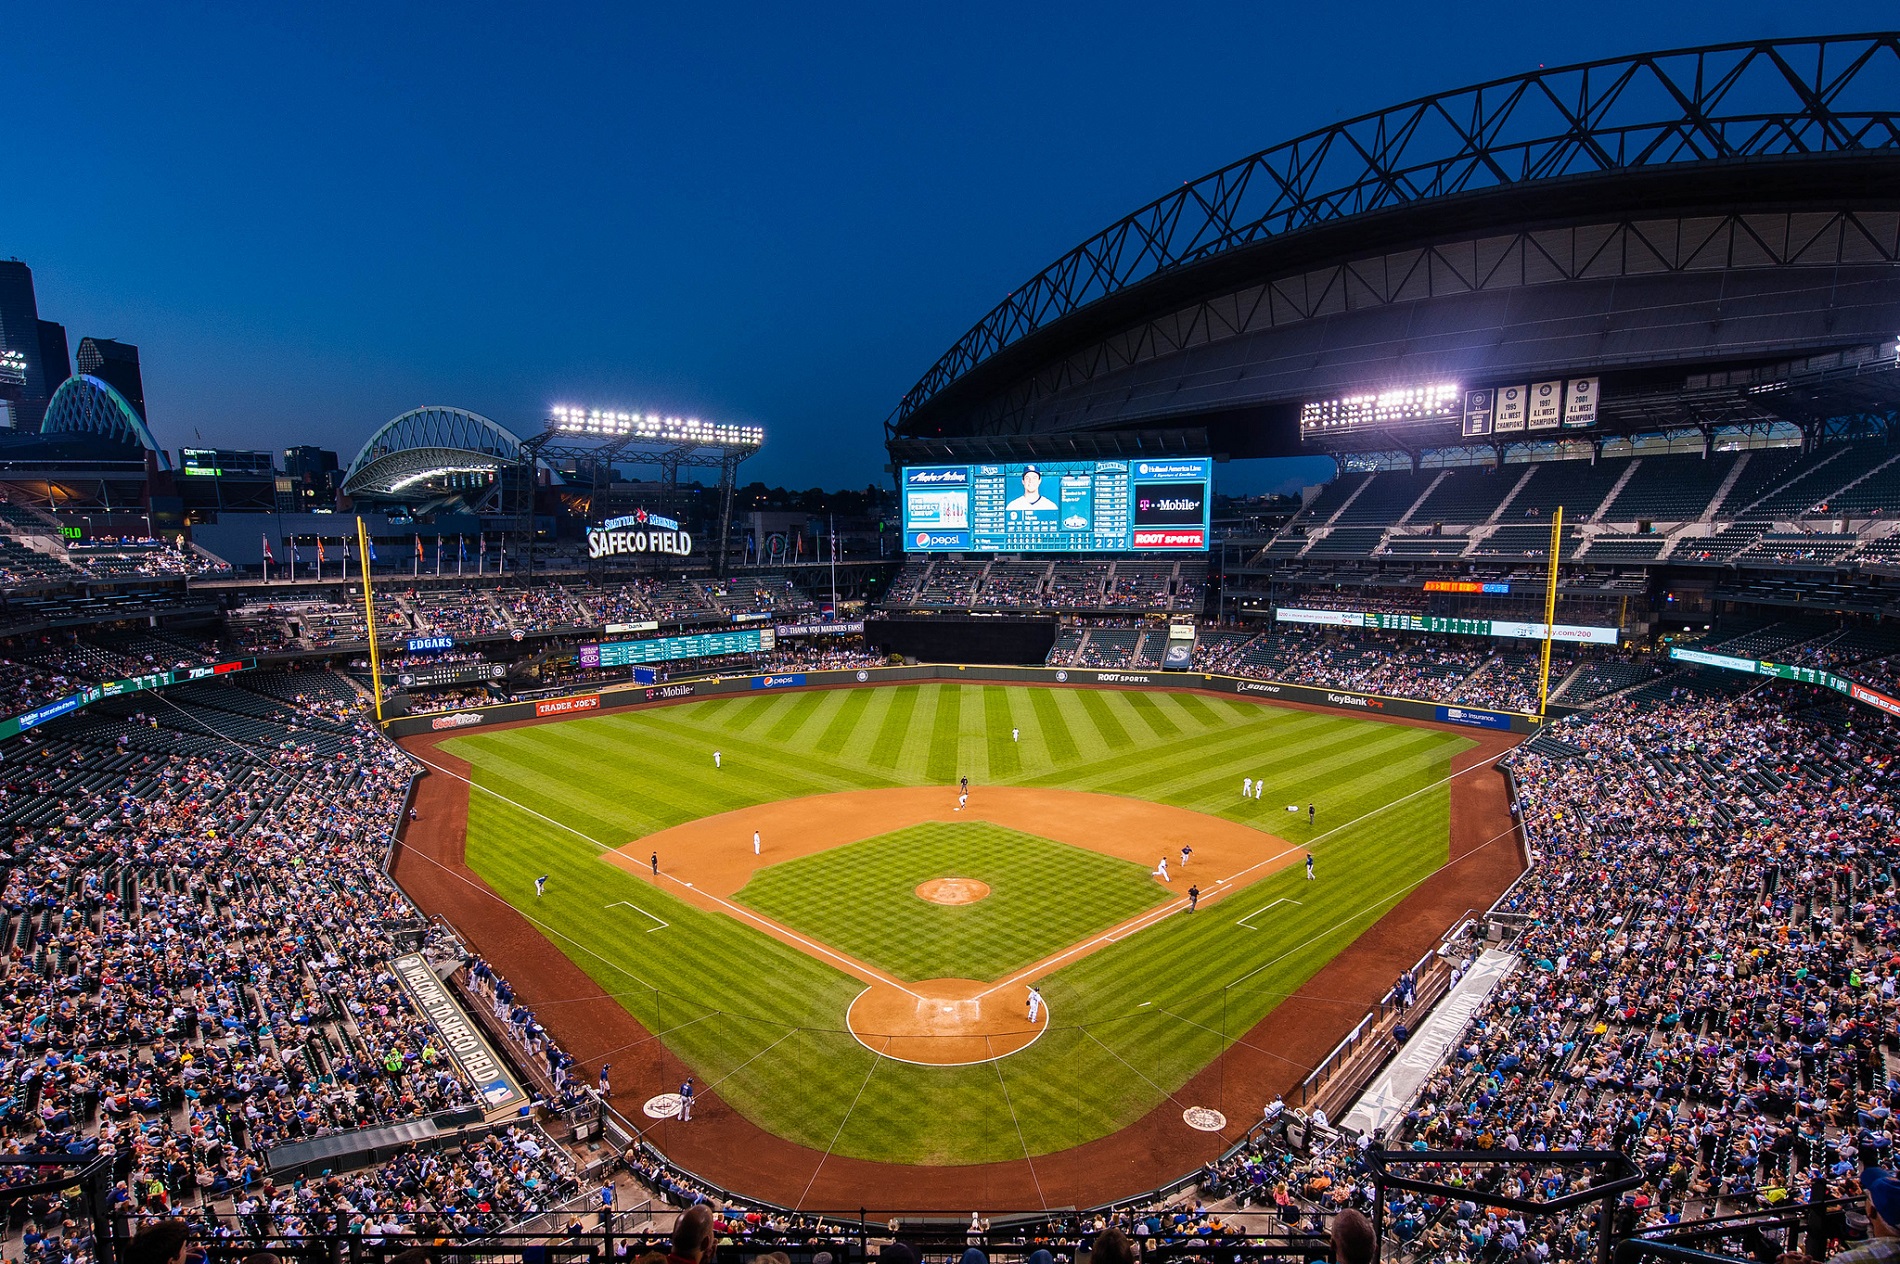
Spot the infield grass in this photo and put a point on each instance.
(763, 1023)
(861, 899)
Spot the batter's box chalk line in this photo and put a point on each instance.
(663, 924)
(1242, 923)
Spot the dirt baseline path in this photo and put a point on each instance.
(726, 1148)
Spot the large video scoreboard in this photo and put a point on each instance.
(1058, 506)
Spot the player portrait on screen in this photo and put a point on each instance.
(1032, 501)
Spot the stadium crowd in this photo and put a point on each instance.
(1710, 958)
(196, 946)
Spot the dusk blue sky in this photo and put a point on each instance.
(311, 218)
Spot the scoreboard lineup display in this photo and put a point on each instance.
(665, 649)
(1058, 506)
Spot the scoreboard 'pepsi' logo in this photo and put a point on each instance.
(941, 540)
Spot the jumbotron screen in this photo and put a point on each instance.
(1058, 506)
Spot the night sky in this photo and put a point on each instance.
(311, 218)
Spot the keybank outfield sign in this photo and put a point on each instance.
(640, 532)
(1570, 632)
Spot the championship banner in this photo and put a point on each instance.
(1580, 402)
(1512, 405)
(1546, 405)
(1478, 410)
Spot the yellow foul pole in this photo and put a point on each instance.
(1550, 606)
(369, 614)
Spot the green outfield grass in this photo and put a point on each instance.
(763, 1023)
(862, 899)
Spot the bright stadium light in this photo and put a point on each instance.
(611, 423)
(1432, 401)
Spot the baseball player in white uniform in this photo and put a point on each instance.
(1035, 1005)
(962, 799)
(1161, 870)
(1015, 735)
(755, 842)
(715, 759)
(1246, 787)
(1259, 787)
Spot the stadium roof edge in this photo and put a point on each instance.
(1734, 106)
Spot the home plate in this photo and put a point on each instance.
(1199, 1118)
(665, 1106)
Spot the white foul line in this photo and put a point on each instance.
(663, 923)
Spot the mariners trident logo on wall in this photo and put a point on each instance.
(652, 533)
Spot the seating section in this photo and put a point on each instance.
(1469, 495)
(241, 823)
(1671, 488)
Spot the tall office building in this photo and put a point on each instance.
(308, 480)
(56, 363)
(117, 365)
(23, 388)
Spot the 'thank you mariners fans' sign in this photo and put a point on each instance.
(639, 532)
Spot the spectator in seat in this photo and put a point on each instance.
(1352, 1239)
(162, 1242)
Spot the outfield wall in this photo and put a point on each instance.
(618, 697)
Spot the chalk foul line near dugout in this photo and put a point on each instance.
(786, 933)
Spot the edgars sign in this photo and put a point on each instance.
(639, 532)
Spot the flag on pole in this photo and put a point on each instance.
(372, 549)
(418, 567)
(293, 557)
(438, 554)
(320, 557)
(267, 555)
(461, 552)
(481, 556)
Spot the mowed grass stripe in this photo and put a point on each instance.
(1101, 712)
(1056, 737)
(1151, 714)
(945, 731)
(843, 721)
(1005, 753)
(801, 709)
(890, 735)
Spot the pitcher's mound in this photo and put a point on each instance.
(953, 890)
(944, 1022)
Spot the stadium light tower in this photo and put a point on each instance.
(594, 440)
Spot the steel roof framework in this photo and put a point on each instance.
(1716, 104)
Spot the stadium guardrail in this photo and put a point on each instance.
(614, 697)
